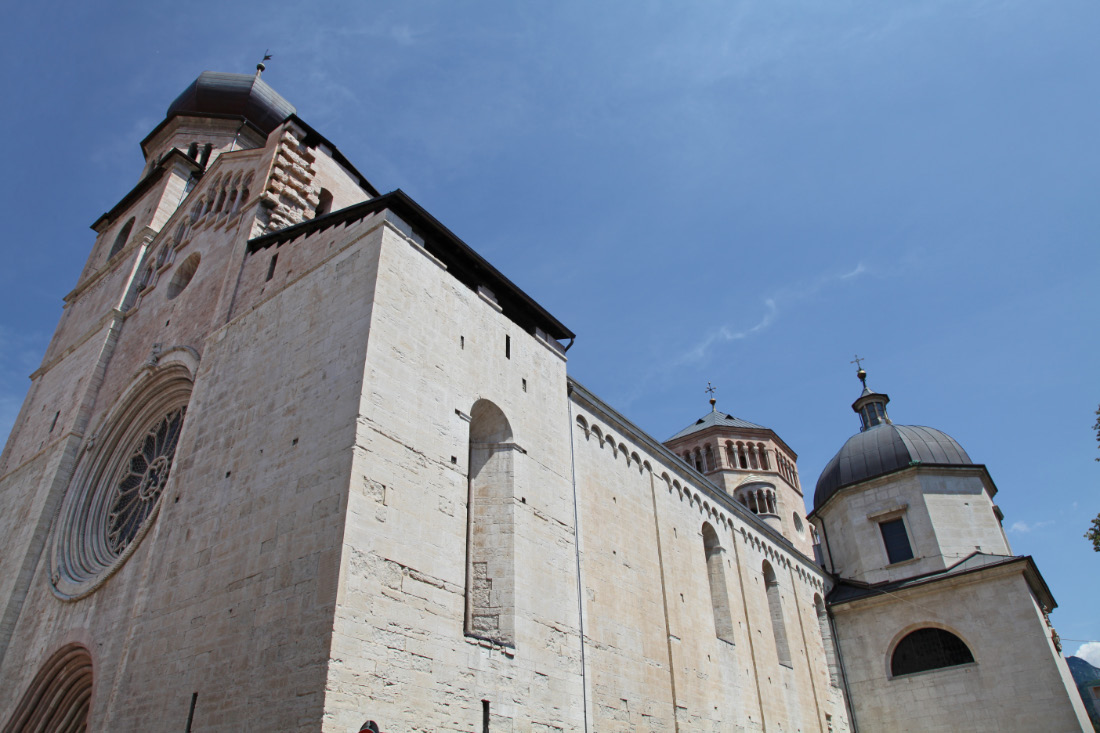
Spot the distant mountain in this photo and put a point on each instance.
(1083, 672)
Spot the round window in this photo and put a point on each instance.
(116, 490)
(184, 273)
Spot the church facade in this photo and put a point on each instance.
(298, 458)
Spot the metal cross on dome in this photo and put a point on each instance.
(857, 361)
(711, 389)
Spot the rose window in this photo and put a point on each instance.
(117, 488)
(143, 479)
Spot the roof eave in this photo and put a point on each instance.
(913, 466)
(461, 260)
(313, 137)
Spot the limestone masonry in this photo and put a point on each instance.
(298, 459)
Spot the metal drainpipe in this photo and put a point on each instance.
(843, 672)
(577, 549)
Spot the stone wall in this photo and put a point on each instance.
(1016, 682)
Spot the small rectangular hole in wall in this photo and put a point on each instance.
(507, 347)
(454, 459)
(462, 342)
(294, 442)
(271, 267)
(484, 716)
(524, 385)
(54, 423)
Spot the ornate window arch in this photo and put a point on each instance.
(115, 492)
(59, 697)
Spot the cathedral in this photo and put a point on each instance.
(297, 458)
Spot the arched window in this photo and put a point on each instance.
(324, 203)
(827, 639)
(490, 540)
(763, 457)
(716, 575)
(59, 697)
(775, 607)
(120, 240)
(741, 454)
(926, 649)
(708, 457)
(698, 460)
(244, 191)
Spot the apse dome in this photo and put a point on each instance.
(236, 95)
(884, 448)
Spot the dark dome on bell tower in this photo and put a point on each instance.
(881, 447)
(217, 94)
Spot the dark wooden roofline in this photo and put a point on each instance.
(466, 265)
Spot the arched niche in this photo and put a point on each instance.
(490, 543)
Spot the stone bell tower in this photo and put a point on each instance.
(753, 465)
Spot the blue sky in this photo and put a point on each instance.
(735, 192)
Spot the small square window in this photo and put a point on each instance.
(896, 540)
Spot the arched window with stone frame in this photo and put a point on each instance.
(927, 649)
(775, 611)
(763, 450)
(490, 536)
(121, 238)
(716, 579)
(708, 458)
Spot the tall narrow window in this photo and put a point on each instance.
(716, 575)
(775, 607)
(490, 541)
(708, 458)
(896, 540)
(120, 240)
(827, 639)
(324, 203)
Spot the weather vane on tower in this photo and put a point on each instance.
(711, 389)
(260, 66)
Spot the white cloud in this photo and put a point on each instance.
(1024, 527)
(1090, 652)
(773, 304)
